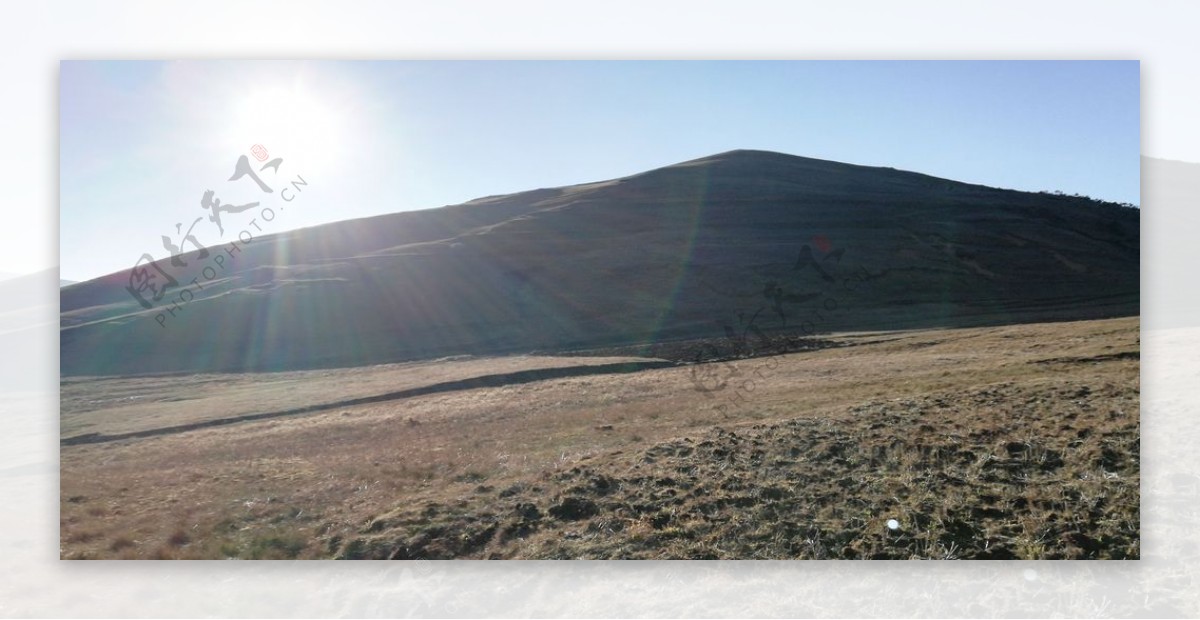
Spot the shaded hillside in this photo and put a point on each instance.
(743, 243)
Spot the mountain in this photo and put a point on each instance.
(744, 242)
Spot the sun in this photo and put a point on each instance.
(307, 128)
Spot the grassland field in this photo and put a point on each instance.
(1000, 442)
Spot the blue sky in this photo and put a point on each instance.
(141, 141)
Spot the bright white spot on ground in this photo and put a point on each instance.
(1030, 574)
(893, 524)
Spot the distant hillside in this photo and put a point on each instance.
(741, 243)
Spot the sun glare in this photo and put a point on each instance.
(293, 122)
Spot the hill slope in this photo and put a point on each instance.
(744, 243)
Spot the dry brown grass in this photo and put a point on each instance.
(981, 442)
(120, 405)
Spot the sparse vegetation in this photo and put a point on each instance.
(1000, 442)
(983, 474)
